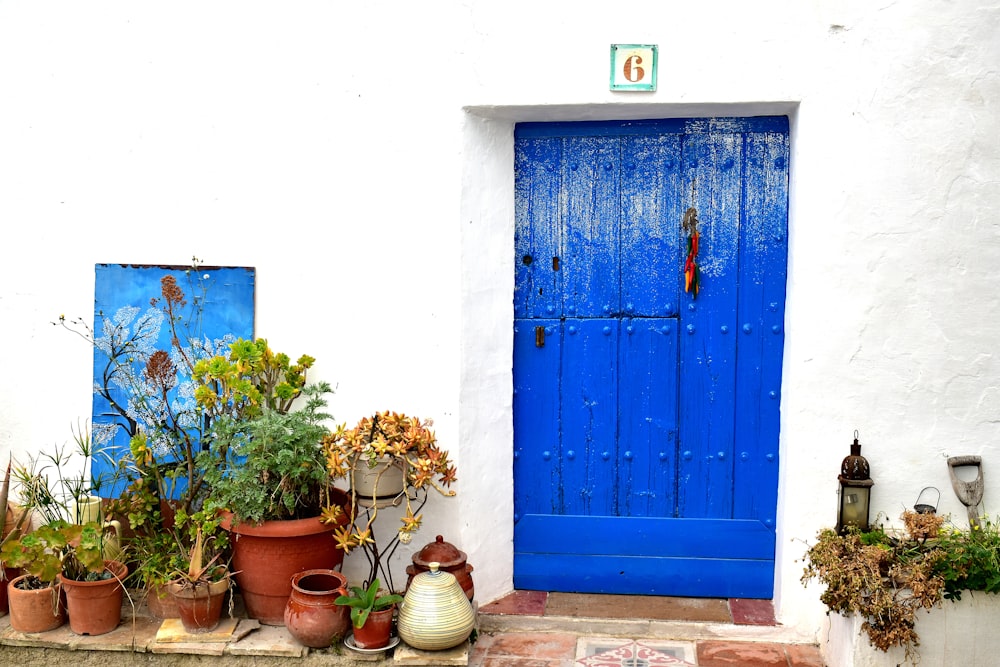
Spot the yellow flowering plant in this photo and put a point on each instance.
(387, 442)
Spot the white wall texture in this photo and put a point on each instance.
(360, 156)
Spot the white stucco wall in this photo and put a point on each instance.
(360, 155)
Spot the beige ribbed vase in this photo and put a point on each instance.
(435, 613)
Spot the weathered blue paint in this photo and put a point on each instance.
(646, 420)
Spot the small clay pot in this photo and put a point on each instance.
(35, 610)
(376, 631)
(311, 615)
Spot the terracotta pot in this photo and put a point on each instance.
(266, 556)
(449, 559)
(95, 607)
(160, 603)
(376, 631)
(35, 611)
(199, 608)
(311, 615)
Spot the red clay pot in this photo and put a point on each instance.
(37, 610)
(266, 556)
(160, 603)
(95, 607)
(376, 631)
(311, 615)
(200, 608)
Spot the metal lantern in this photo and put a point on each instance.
(855, 490)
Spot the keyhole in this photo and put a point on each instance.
(555, 263)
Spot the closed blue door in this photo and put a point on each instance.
(646, 413)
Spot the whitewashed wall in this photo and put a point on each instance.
(360, 154)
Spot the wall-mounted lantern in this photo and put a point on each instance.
(855, 490)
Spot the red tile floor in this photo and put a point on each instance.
(568, 648)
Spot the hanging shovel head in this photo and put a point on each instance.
(969, 493)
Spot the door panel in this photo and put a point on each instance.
(646, 417)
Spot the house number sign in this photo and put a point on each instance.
(633, 67)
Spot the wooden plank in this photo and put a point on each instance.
(689, 577)
(537, 483)
(712, 164)
(537, 287)
(652, 126)
(644, 536)
(647, 406)
(590, 247)
(589, 395)
(651, 252)
(762, 303)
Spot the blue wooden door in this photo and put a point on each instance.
(646, 415)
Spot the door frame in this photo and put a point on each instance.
(484, 442)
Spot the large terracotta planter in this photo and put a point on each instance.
(266, 556)
(37, 610)
(95, 607)
(199, 608)
(311, 615)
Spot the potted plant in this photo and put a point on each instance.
(274, 481)
(371, 614)
(63, 556)
(67, 556)
(153, 429)
(886, 578)
(200, 590)
(386, 441)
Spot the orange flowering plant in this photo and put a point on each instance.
(386, 444)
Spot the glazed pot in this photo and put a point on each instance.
(95, 607)
(199, 607)
(311, 615)
(266, 556)
(449, 559)
(35, 610)
(376, 631)
(435, 613)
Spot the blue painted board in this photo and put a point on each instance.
(218, 308)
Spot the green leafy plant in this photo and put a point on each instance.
(363, 601)
(405, 442)
(59, 547)
(274, 463)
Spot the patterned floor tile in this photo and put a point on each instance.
(609, 652)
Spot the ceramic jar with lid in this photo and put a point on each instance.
(449, 559)
(435, 613)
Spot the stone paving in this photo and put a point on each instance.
(524, 629)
